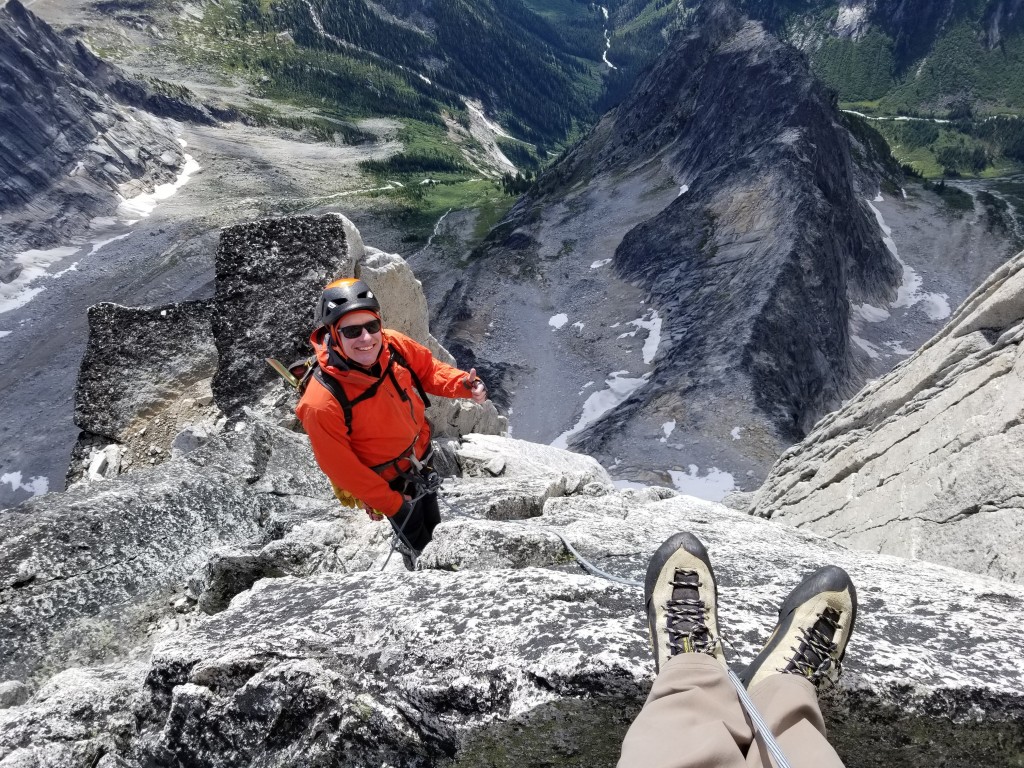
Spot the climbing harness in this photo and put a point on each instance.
(425, 481)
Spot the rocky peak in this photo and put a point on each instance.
(727, 195)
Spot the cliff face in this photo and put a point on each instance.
(925, 462)
(68, 148)
(729, 191)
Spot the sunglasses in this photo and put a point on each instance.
(355, 331)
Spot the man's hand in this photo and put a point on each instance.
(476, 387)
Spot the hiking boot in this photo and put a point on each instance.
(408, 554)
(815, 622)
(682, 600)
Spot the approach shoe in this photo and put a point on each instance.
(815, 622)
(682, 600)
(409, 555)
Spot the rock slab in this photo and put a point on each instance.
(925, 462)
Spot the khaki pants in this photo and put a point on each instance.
(693, 719)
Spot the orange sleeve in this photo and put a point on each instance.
(437, 378)
(328, 436)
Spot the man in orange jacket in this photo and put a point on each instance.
(365, 412)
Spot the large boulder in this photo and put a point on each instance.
(145, 377)
(269, 274)
(86, 574)
(926, 462)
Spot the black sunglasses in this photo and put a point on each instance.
(355, 331)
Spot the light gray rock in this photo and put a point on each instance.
(499, 650)
(84, 574)
(75, 719)
(404, 308)
(925, 462)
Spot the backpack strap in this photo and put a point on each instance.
(396, 357)
(338, 391)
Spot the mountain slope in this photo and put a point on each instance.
(66, 144)
(724, 191)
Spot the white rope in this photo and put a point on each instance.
(760, 726)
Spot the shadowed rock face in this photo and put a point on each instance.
(269, 274)
(144, 378)
(758, 262)
(925, 462)
(67, 145)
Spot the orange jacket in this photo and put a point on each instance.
(383, 426)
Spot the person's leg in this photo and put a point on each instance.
(806, 649)
(691, 719)
(431, 515)
(692, 716)
(789, 706)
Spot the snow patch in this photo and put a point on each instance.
(143, 205)
(601, 263)
(599, 403)
(737, 433)
(668, 428)
(897, 347)
(651, 322)
(578, 326)
(683, 190)
(879, 198)
(37, 486)
(34, 265)
(99, 244)
(870, 313)
(936, 305)
(870, 349)
(557, 321)
(5, 333)
(714, 486)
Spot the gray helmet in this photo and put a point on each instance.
(341, 297)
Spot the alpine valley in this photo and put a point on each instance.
(751, 269)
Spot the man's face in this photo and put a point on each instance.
(365, 348)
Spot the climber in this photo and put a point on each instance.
(698, 713)
(365, 413)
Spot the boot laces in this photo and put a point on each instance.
(816, 656)
(685, 612)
